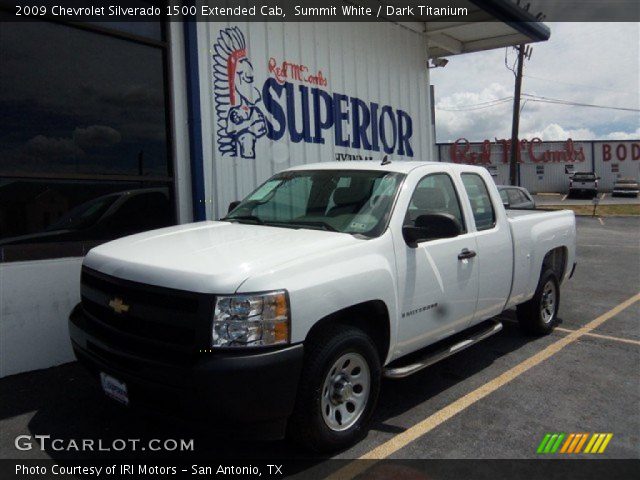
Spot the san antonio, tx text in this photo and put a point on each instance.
(128, 469)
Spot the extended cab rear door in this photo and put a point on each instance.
(438, 279)
(494, 243)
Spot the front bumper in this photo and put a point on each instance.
(252, 392)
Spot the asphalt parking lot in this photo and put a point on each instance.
(494, 400)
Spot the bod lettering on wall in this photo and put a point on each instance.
(298, 112)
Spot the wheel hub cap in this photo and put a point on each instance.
(548, 303)
(342, 390)
(345, 391)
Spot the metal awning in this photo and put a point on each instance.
(489, 24)
(513, 25)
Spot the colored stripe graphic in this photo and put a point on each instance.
(567, 443)
(551, 442)
(598, 443)
(543, 443)
(573, 443)
(605, 443)
(596, 446)
(581, 442)
(590, 444)
(555, 447)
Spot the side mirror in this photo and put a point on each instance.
(506, 204)
(431, 227)
(233, 205)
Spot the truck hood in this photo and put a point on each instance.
(210, 257)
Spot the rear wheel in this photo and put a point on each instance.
(338, 389)
(538, 316)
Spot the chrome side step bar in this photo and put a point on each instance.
(434, 357)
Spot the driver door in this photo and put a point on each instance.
(438, 291)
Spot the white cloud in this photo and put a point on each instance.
(47, 148)
(51, 147)
(96, 136)
(594, 63)
(554, 131)
(624, 135)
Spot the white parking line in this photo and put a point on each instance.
(565, 197)
(601, 221)
(602, 337)
(634, 247)
(603, 195)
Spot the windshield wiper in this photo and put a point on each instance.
(243, 217)
(314, 223)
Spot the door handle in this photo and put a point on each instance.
(466, 254)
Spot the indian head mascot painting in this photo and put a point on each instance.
(240, 121)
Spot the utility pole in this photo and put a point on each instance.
(515, 125)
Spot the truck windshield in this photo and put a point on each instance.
(348, 201)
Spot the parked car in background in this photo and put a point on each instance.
(583, 183)
(625, 187)
(516, 197)
(107, 217)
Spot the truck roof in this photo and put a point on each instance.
(399, 166)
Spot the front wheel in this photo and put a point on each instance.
(338, 390)
(538, 316)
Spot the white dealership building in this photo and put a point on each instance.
(116, 128)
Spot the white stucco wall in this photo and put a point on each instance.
(35, 301)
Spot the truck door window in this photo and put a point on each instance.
(483, 212)
(434, 194)
(515, 197)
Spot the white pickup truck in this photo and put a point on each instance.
(283, 317)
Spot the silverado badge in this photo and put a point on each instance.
(118, 305)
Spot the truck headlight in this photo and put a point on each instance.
(251, 320)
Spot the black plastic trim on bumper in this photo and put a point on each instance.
(252, 391)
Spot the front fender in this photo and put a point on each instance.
(327, 282)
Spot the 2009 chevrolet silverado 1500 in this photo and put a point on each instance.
(285, 315)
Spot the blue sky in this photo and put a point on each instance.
(595, 63)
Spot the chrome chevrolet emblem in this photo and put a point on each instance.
(118, 305)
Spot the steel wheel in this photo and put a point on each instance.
(345, 391)
(548, 303)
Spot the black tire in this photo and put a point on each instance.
(307, 426)
(534, 314)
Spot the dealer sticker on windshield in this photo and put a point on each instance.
(114, 388)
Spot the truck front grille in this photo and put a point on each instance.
(138, 318)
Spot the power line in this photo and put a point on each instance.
(477, 106)
(559, 101)
(551, 80)
(533, 98)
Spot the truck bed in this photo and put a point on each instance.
(534, 233)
